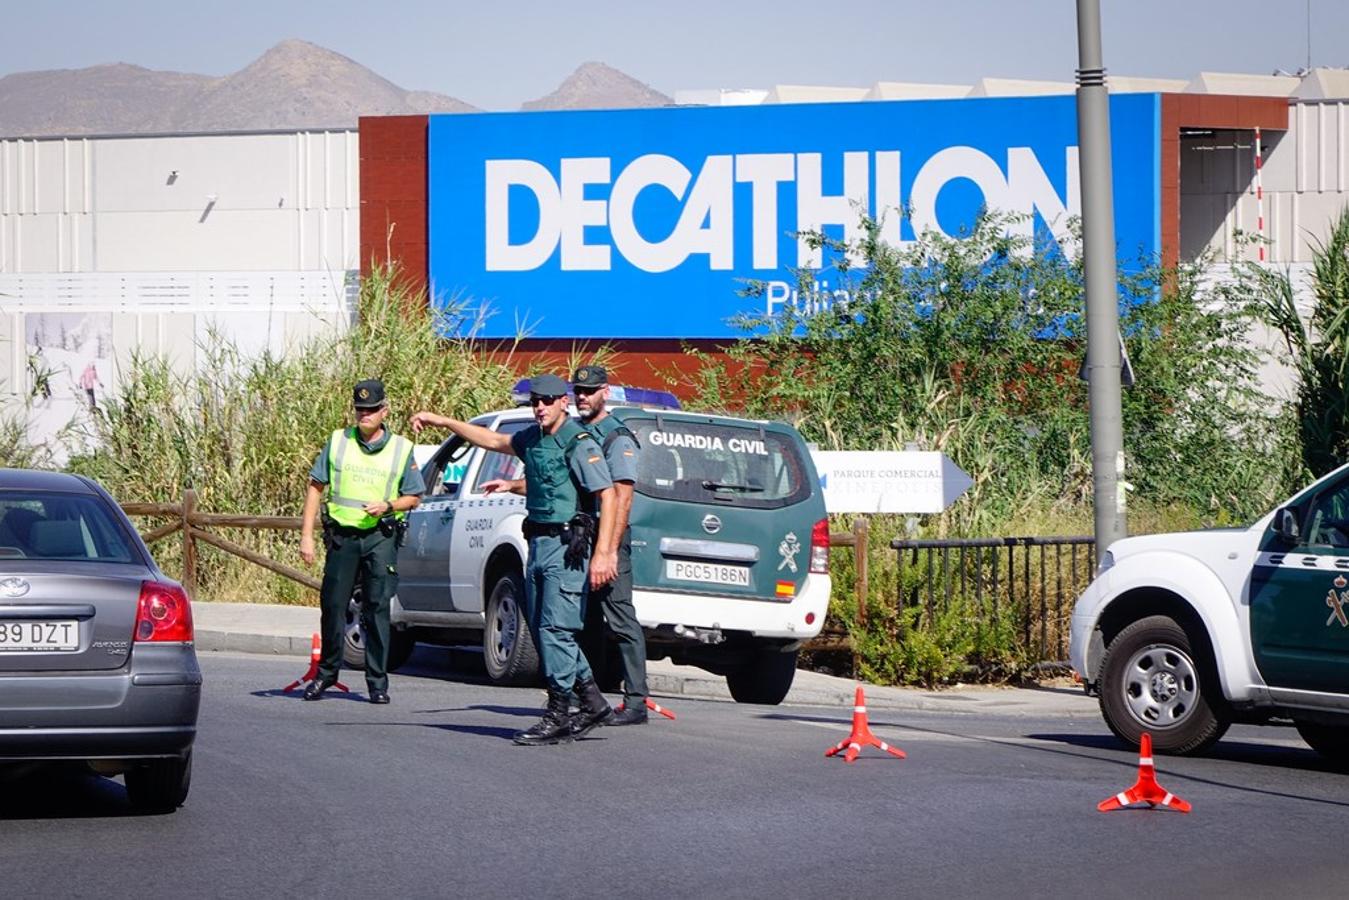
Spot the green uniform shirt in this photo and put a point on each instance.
(622, 453)
(587, 467)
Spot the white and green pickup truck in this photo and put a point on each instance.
(730, 551)
(1184, 634)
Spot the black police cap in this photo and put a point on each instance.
(368, 394)
(590, 376)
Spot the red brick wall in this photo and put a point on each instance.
(393, 194)
(659, 364)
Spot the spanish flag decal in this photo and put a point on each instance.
(786, 589)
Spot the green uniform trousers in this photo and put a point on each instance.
(610, 608)
(372, 557)
(555, 598)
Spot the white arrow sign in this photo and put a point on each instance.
(878, 481)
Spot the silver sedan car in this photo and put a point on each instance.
(96, 645)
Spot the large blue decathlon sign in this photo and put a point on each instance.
(650, 223)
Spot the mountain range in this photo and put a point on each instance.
(294, 85)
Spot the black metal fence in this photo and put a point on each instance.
(1027, 584)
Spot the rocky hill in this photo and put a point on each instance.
(293, 85)
(597, 86)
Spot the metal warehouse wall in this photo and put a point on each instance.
(1305, 176)
(111, 245)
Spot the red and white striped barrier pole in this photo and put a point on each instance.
(1259, 195)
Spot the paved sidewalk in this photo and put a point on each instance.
(288, 631)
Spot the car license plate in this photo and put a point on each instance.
(37, 634)
(707, 573)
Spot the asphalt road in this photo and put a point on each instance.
(427, 797)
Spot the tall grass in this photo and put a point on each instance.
(243, 431)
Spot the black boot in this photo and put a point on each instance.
(553, 728)
(594, 708)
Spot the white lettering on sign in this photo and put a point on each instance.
(706, 223)
(707, 442)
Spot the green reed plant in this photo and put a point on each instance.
(243, 431)
(972, 347)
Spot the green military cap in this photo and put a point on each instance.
(590, 376)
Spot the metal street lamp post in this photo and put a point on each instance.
(1098, 236)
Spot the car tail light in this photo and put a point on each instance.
(164, 613)
(819, 547)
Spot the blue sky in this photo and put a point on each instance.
(497, 55)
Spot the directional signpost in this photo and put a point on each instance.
(877, 481)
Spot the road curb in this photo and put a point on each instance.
(243, 642)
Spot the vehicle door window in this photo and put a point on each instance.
(1328, 517)
(445, 473)
(502, 465)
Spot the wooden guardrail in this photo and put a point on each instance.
(193, 525)
(836, 638)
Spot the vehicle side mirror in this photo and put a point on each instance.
(1285, 525)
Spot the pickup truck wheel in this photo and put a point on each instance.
(1151, 681)
(401, 641)
(353, 634)
(160, 785)
(765, 678)
(507, 647)
(1331, 741)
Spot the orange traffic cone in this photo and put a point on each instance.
(861, 734)
(1146, 789)
(653, 706)
(315, 653)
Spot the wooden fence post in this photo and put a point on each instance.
(860, 549)
(189, 544)
(860, 529)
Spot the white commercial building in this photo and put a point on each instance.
(113, 245)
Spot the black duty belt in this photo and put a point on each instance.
(533, 529)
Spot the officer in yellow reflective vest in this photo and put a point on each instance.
(372, 482)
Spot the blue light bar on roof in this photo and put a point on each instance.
(618, 394)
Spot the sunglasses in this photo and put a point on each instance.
(536, 399)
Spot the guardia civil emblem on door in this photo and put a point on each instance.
(1337, 602)
(788, 549)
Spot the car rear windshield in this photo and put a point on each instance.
(49, 525)
(725, 464)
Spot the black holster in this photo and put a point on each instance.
(579, 537)
(391, 526)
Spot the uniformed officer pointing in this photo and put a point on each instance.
(610, 605)
(567, 477)
(372, 482)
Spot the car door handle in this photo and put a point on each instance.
(446, 516)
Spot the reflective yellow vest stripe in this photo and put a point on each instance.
(356, 478)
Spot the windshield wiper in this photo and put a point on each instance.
(727, 486)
